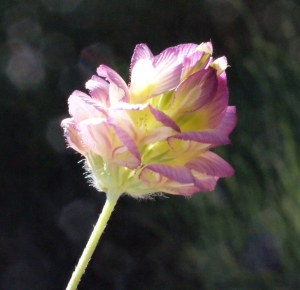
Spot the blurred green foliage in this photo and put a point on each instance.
(244, 235)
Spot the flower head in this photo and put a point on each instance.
(155, 134)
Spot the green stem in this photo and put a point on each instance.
(111, 200)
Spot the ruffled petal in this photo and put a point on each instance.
(116, 94)
(151, 76)
(191, 64)
(123, 119)
(169, 179)
(96, 135)
(141, 51)
(186, 49)
(99, 90)
(166, 80)
(82, 106)
(203, 182)
(229, 121)
(164, 119)
(99, 137)
(113, 77)
(213, 137)
(210, 163)
(176, 173)
(123, 157)
(168, 68)
(154, 76)
(212, 113)
(127, 141)
(71, 135)
(195, 91)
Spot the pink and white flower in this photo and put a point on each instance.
(155, 134)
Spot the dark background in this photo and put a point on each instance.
(244, 235)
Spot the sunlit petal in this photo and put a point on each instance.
(141, 51)
(81, 107)
(125, 138)
(95, 133)
(214, 137)
(210, 163)
(99, 90)
(167, 70)
(229, 120)
(113, 77)
(175, 180)
(186, 49)
(164, 119)
(205, 183)
(125, 158)
(154, 76)
(195, 91)
(192, 64)
(73, 139)
(212, 113)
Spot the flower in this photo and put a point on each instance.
(155, 134)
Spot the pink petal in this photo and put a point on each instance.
(190, 63)
(113, 77)
(71, 135)
(177, 173)
(214, 137)
(185, 147)
(123, 157)
(167, 58)
(122, 118)
(168, 179)
(229, 121)
(99, 90)
(125, 138)
(168, 68)
(195, 91)
(214, 112)
(98, 135)
(186, 49)
(141, 51)
(82, 106)
(207, 183)
(166, 79)
(151, 76)
(210, 163)
(164, 119)
(95, 134)
(156, 135)
(116, 94)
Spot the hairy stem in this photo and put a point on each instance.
(110, 203)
